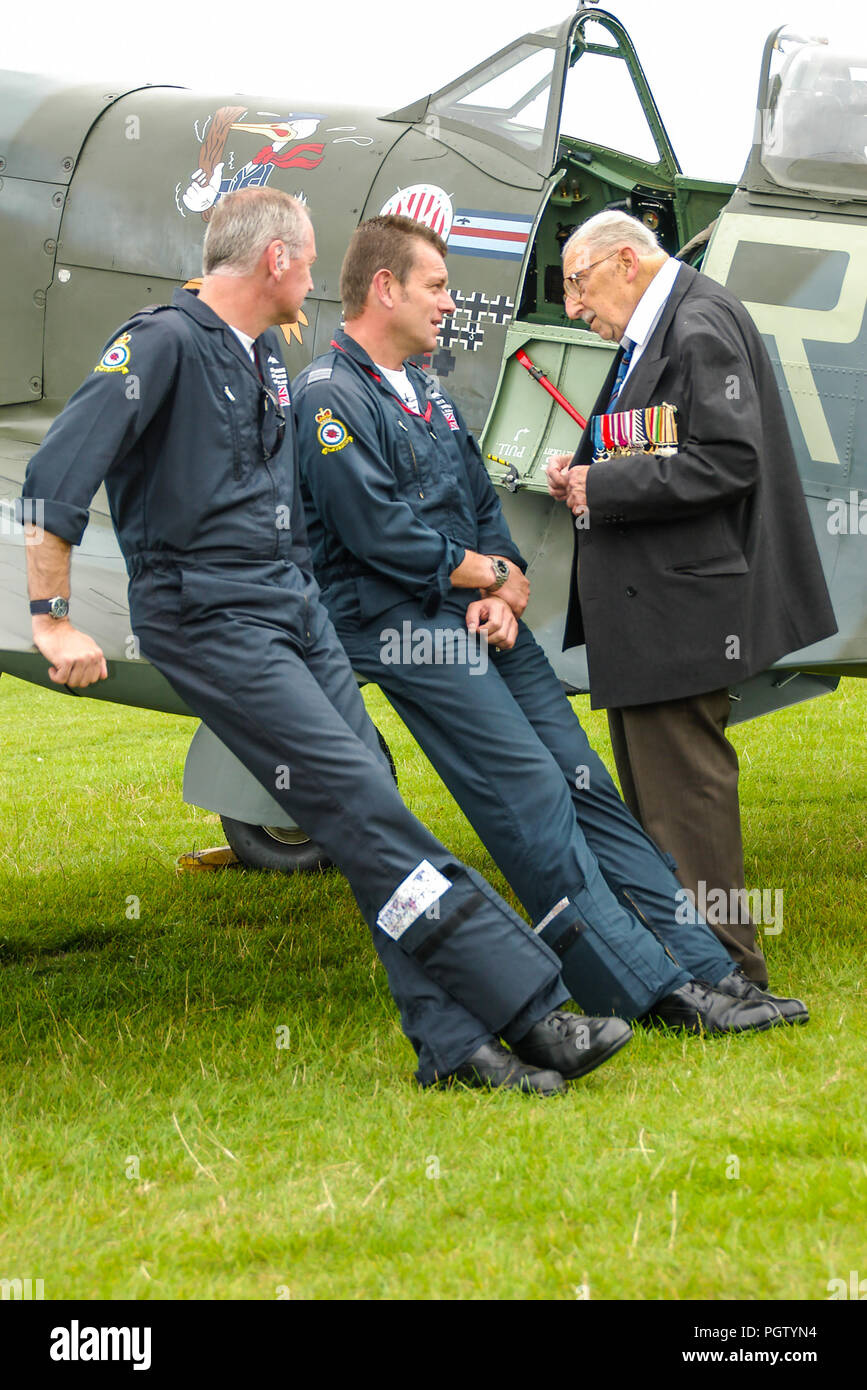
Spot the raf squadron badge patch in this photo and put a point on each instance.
(115, 358)
(332, 434)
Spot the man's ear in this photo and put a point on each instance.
(631, 262)
(383, 286)
(276, 257)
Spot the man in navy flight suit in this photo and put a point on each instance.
(412, 553)
(183, 418)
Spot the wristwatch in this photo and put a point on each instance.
(501, 573)
(55, 607)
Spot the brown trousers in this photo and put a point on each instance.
(679, 776)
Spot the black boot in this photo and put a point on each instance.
(699, 1008)
(572, 1043)
(493, 1065)
(737, 986)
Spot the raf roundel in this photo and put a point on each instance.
(332, 434)
(115, 358)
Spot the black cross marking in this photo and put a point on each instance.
(443, 362)
(464, 328)
(471, 336)
(500, 309)
(448, 335)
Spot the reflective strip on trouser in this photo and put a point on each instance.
(275, 707)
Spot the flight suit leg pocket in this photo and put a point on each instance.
(469, 942)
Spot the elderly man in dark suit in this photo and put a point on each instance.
(695, 564)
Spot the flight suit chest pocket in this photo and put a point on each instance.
(241, 409)
(425, 471)
(408, 458)
(231, 409)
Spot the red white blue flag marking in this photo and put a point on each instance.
(501, 235)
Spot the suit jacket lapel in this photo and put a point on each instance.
(637, 391)
(640, 384)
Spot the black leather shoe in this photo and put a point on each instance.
(493, 1065)
(700, 1009)
(737, 986)
(572, 1043)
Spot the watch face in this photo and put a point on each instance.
(59, 608)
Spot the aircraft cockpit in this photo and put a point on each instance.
(573, 104)
(813, 122)
(610, 150)
(566, 111)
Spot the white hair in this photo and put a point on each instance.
(608, 231)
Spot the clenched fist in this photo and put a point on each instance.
(73, 658)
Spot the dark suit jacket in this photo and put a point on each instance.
(700, 569)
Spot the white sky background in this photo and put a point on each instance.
(701, 59)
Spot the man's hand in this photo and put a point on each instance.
(516, 590)
(557, 469)
(476, 572)
(576, 489)
(74, 658)
(495, 619)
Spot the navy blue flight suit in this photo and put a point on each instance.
(198, 452)
(394, 499)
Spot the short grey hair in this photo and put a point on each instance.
(244, 223)
(608, 231)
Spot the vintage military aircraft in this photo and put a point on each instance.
(106, 195)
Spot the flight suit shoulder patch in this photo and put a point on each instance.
(117, 356)
(331, 432)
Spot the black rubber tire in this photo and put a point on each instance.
(261, 847)
(258, 847)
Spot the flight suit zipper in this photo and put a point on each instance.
(274, 512)
(236, 438)
(641, 917)
(415, 466)
(414, 459)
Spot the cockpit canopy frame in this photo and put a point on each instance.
(810, 138)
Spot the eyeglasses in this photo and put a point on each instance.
(574, 285)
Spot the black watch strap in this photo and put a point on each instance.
(57, 607)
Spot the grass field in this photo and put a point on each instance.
(156, 1142)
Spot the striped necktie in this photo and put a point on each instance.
(622, 369)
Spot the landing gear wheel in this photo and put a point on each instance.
(282, 849)
(275, 847)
